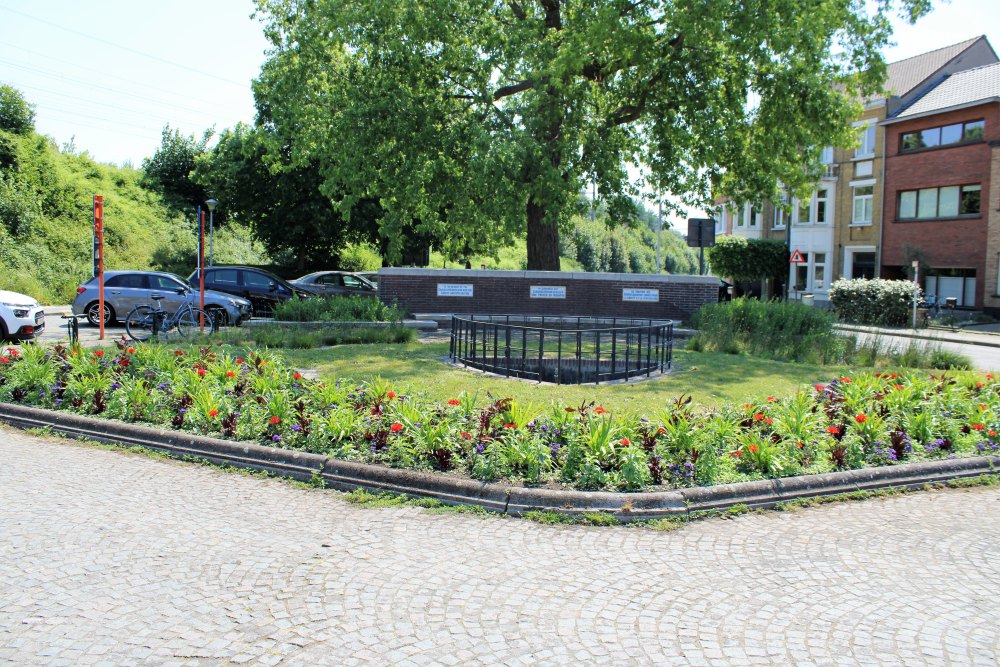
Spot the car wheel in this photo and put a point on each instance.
(220, 318)
(4, 335)
(94, 318)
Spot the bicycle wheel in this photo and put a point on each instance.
(190, 321)
(139, 323)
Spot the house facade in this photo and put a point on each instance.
(839, 231)
(943, 154)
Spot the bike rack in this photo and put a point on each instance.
(73, 327)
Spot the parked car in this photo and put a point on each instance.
(124, 290)
(262, 288)
(370, 276)
(21, 318)
(336, 283)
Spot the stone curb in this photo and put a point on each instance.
(421, 325)
(505, 498)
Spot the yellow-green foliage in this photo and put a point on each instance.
(46, 217)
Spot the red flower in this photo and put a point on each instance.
(201, 372)
(510, 425)
(736, 454)
(833, 430)
(599, 410)
(759, 417)
(178, 353)
(99, 353)
(230, 374)
(454, 401)
(396, 427)
(982, 406)
(753, 449)
(768, 420)
(894, 376)
(13, 352)
(466, 435)
(661, 431)
(4, 360)
(275, 419)
(239, 360)
(845, 380)
(898, 387)
(772, 399)
(123, 362)
(818, 387)
(391, 394)
(626, 442)
(374, 411)
(989, 376)
(979, 385)
(977, 427)
(297, 376)
(991, 432)
(213, 413)
(800, 445)
(861, 419)
(131, 350)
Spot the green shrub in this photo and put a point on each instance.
(359, 257)
(875, 302)
(774, 329)
(337, 309)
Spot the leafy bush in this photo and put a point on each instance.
(352, 308)
(743, 259)
(874, 301)
(359, 257)
(774, 329)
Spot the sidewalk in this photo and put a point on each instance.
(987, 338)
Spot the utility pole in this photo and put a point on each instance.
(659, 228)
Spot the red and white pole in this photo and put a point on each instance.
(201, 264)
(99, 236)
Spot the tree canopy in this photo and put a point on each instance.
(16, 114)
(483, 119)
(169, 169)
(743, 259)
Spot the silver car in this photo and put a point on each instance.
(124, 290)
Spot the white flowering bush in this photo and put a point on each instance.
(874, 301)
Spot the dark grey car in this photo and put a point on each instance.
(336, 283)
(124, 290)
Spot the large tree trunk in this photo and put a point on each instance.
(543, 240)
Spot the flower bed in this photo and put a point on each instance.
(868, 420)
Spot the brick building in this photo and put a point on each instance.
(943, 159)
(838, 231)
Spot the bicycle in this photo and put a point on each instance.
(145, 322)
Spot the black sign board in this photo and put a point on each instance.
(701, 232)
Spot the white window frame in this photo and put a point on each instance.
(810, 266)
(866, 138)
(850, 251)
(780, 215)
(813, 209)
(855, 197)
(751, 219)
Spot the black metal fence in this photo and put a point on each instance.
(563, 350)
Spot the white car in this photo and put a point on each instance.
(21, 318)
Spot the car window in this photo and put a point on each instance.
(165, 283)
(352, 281)
(224, 277)
(254, 279)
(329, 279)
(127, 280)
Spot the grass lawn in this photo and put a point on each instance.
(711, 378)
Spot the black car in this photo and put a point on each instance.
(264, 289)
(336, 283)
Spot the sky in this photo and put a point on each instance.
(108, 75)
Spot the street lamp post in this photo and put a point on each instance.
(212, 203)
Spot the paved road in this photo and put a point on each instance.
(983, 357)
(111, 558)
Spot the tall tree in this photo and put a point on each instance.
(16, 114)
(169, 169)
(484, 118)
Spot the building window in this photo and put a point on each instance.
(945, 135)
(826, 155)
(802, 273)
(820, 201)
(812, 211)
(819, 270)
(930, 203)
(780, 213)
(863, 197)
(866, 142)
(957, 283)
(810, 274)
(751, 218)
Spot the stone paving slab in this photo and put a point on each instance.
(111, 558)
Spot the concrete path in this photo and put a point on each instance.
(111, 558)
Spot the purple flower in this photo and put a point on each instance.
(296, 428)
(276, 438)
(480, 448)
(115, 385)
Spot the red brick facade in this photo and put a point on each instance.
(956, 243)
(509, 292)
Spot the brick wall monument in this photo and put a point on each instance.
(446, 291)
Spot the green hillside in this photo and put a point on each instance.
(46, 220)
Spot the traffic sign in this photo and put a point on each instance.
(797, 257)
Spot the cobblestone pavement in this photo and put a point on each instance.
(111, 558)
